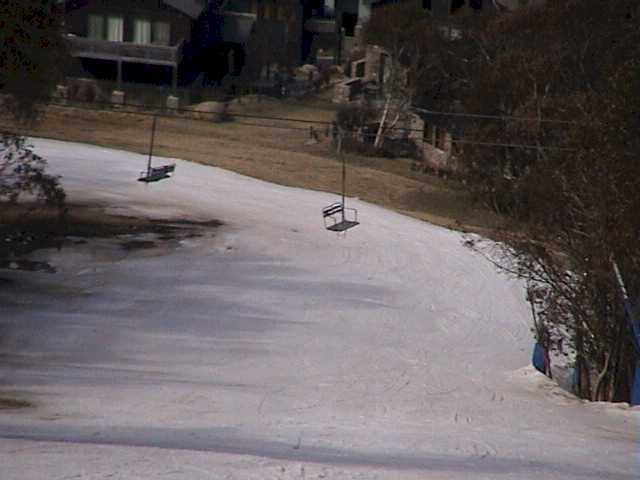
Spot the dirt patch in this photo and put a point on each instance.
(28, 265)
(27, 228)
(191, 223)
(7, 403)
(138, 244)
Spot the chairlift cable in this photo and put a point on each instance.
(158, 173)
(78, 104)
(153, 136)
(344, 171)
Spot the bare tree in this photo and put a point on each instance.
(555, 151)
(398, 29)
(32, 58)
(571, 191)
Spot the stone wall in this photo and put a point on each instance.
(375, 59)
(345, 91)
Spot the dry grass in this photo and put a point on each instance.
(271, 150)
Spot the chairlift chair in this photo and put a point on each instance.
(334, 215)
(336, 220)
(154, 174)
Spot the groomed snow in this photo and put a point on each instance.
(273, 349)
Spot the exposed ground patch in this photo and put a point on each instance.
(27, 228)
(8, 403)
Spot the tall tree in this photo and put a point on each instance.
(398, 28)
(32, 53)
(559, 84)
(572, 189)
(32, 58)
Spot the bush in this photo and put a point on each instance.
(22, 172)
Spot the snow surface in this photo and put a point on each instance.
(272, 348)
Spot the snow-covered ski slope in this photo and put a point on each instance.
(274, 349)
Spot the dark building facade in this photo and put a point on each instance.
(132, 40)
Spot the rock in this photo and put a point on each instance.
(214, 111)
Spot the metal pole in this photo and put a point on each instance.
(344, 171)
(153, 136)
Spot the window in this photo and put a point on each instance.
(161, 33)
(115, 29)
(349, 22)
(429, 133)
(96, 27)
(141, 31)
(241, 6)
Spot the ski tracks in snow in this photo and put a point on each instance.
(384, 354)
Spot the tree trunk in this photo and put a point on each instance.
(379, 135)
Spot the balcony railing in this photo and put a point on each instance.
(126, 52)
(321, 25)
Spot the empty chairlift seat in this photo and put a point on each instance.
(336, 220)
(153, 174)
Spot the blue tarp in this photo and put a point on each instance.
(635, 388)
(635, 338)
(635, 329)
(538, 358)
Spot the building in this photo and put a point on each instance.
(333, 27)
(252, 36)
(174, 43)
(443, 8)
(132, 40)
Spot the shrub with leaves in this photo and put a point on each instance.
(22, 173)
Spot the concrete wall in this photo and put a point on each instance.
(437, 155)
(345, 91)
(437, 160)
(375, 60)
(364, 11)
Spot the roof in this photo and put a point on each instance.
(514, 4)
(237, 27)
(192, 8)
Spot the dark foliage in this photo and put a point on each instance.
(32, 54)
(563, 78)
(22, 173)
(32, 59)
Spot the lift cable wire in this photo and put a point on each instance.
(82, 105)
(480, 116)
